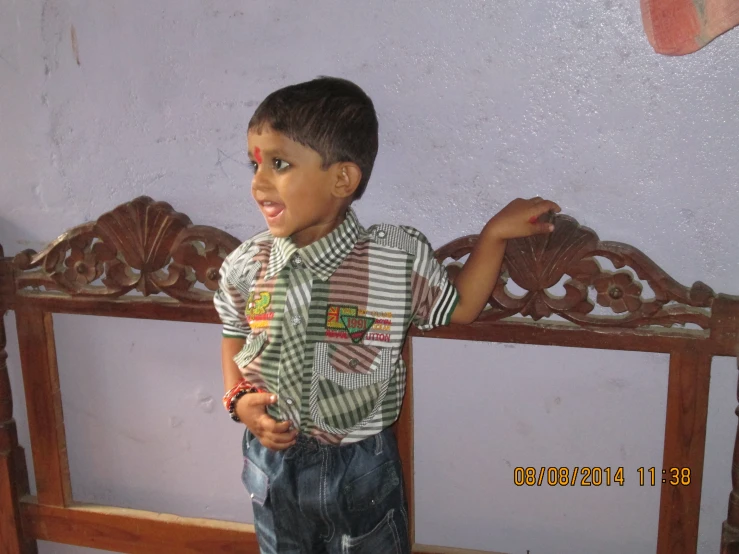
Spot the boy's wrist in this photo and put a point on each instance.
(493, 232)
(234, 402)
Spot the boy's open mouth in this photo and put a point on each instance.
(271, 210)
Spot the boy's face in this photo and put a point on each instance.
(296, 196)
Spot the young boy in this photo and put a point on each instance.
(315, 311)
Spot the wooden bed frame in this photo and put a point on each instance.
(171, 267)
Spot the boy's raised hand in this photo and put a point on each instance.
(520, 219)
(252, 411)
(477, 278)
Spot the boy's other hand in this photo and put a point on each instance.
(520, 219)
(252, 411)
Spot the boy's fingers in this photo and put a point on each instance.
(276, 428)
(540, 208)
(285, 439)
(267, 442)
(543, 228)
(549, 206)
(278, 441)
(261, 398)
(276, 445)
(277, 435)
(544, 206)
(281, 427)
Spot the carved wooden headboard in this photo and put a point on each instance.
(144, 260)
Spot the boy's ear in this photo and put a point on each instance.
(348, 176)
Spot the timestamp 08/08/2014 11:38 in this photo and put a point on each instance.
(594, 476)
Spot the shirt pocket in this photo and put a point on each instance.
(252, 348)
(349, 384)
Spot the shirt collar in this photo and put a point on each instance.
(322, 257)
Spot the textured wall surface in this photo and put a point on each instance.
(479, 102)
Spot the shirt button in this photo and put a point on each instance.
(297, 260)
(251, 495)
(381, 234)
(297, 320)
(289, 401)
(353, 363)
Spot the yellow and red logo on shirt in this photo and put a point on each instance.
(256, 310)
(334, 313)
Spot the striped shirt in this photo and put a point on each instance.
(325, 324)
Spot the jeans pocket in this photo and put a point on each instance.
(245, 438)
(256, 482)
(384, 538)
(368, 491)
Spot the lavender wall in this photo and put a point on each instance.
(479, 102)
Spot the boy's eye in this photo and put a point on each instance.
(279, 164)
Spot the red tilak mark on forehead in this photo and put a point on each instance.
(258, 155)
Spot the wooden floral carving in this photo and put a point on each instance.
(538, 263)
(145, 247)
(141, 246)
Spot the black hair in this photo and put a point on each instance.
(333, 116)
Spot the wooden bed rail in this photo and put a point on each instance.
(144, 260)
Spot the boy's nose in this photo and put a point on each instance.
(260, 181)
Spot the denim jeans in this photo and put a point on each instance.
(316, 498)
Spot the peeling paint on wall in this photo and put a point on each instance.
(75, 46)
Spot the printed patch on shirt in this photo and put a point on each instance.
(381, 329)
(346, 322)
(357, 326)
(256, 310)
(334, 313)
(352, 322)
